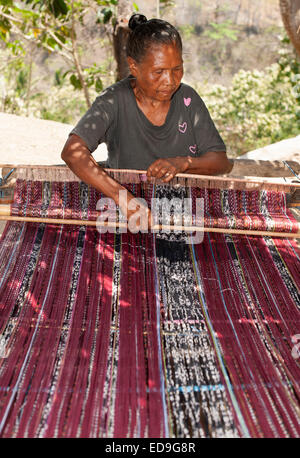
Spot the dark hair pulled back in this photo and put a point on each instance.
(145, 33)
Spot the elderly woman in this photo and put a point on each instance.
(149, 120)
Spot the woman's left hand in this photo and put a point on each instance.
(166, 169)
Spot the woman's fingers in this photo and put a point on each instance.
(137, 213)
(162, 169)
(168, 177)
(166, 169)
(154, 169)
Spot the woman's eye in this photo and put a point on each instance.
(158, 72)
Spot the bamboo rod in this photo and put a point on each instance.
(5, 210)
(158, 227)
(250, 182)
(254, 168)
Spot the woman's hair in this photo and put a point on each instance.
(145, 33)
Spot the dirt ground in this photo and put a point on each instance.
(34, 141)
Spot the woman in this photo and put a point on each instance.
(149, 121)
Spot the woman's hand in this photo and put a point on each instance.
(209, 163)
(136, 211)
(166, 169)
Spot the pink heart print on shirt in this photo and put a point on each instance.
(182, 127)
(193, 149)
(187, 101)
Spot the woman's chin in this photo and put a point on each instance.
(164, 95)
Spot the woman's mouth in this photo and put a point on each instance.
(167, 91)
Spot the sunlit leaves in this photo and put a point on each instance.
(58, 7)
(260, 107)
(107, 14)
(52, 25)
(4, 28)
(98, 85)
(74, 80)
(220, 31)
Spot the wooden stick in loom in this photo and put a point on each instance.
(159, 227)
(227, 181)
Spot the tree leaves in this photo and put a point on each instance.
(59, 7)
(222, 30)
(107, 14)
(74, 80)
(52, 25)
(98, 85)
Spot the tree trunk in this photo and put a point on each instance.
(120, 37)
(290, 13)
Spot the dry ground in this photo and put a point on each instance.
(34, 141)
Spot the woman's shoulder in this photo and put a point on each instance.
(188, 92)
(190, 96)
(186, 89)
(113, 92)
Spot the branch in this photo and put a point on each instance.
(76, 60)
(9, 61)
(58, 41)
(38, 41)
(11, 18)
(45, 28)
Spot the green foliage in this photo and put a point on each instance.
(258, 108)
(186, 31)
(221, 31)
(58, 7)
(163, 6)
(108, 13)
(52, 25)
(166, 3)
(59, 102)
(61, 105)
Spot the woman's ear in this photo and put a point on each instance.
(132, 66)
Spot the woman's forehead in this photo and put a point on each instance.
(158, 54)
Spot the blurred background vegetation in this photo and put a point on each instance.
(57, 55)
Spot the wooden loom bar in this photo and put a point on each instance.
(159, 227)
(241, 167)
(247, 182)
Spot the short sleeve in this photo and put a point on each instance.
(94, 124)
(206, 134)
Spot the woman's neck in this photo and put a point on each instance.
(156, 111)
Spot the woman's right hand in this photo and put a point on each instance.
(136, 211)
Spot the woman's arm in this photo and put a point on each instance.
(80, 160)
(210, 163)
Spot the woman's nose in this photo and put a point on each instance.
(169, 78)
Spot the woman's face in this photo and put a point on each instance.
(160, 72)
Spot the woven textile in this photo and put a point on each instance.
(240, 209)
(136, 335)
